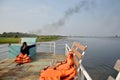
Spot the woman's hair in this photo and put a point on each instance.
(24, 44)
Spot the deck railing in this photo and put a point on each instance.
(49, 46)
(4, 48)
(67, 49)
(3, 51)
(46, 47)
(117, 68)
(83, 74)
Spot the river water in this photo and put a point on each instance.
(100, 56)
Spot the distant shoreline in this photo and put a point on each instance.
(39, 39)
(95, 36)
(4, 40)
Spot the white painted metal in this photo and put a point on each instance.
(82, 76)
(4, 45)
(118, 76)
(85, 73)
(117, 68)
(110, 78)
(67, 49)
(4, 49)
(51, 45)
(54, 48)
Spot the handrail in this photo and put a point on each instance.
(3, 51)
(85, 73)
(49, 44)
(4, 45)
(67, 49)
(117, 68)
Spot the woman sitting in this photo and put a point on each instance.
(24, 57)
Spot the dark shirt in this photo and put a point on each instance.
(26, 50)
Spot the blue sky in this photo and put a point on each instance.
(59, 17)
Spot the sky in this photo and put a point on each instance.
(61, 17)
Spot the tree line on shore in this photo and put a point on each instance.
(16, 34)
(14, 37)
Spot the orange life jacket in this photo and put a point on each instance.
(54, 74)
(22, 58)
(62, 71)
(64, 66)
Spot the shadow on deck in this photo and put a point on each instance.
(28, 71)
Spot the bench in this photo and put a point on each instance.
(117, 68)
(79, 51)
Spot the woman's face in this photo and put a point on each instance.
(24, 44)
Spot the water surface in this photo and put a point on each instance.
(100, 56)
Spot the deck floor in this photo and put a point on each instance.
(28, 71)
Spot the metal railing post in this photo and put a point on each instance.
(67, 49)
(84, 73)
(82, 76)
(50, 47)
(54, 48)
(118, 76)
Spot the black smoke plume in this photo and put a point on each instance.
(55, 26)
